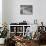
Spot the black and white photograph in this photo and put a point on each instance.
(26, 9)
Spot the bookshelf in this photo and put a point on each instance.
(18, 29)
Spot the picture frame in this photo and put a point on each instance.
(26, 9)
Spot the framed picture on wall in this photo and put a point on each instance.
(26, 9)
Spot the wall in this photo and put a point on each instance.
(43, 11)
(0, 13)
(16, 11)
(12, 11)
(4, 11)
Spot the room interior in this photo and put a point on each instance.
(22, 23)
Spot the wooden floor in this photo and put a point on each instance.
(2, 45)
(42, 45)
(32, 45)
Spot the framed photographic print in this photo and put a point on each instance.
(26, 9)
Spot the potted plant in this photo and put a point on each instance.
(3, 34)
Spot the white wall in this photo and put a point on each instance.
(12, 11)
(0, 13)
(43, 11)
(4, 11)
